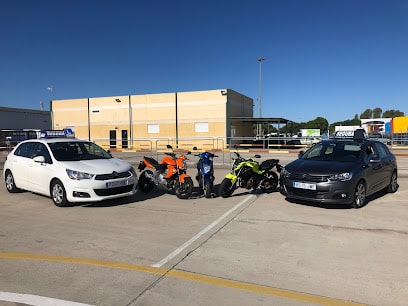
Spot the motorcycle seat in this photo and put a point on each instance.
(268, 164)
(151, 161)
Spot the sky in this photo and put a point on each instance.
(322, 58)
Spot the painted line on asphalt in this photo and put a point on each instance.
(30, 299)
(191, 276)
(201, 233)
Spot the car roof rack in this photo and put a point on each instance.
(64, 133)
(357, 135)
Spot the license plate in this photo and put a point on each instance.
(304, 185)
(117, 184)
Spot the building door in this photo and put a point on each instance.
(124, 139)
(112, 139)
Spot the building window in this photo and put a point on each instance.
(153, 128)
(201, 127)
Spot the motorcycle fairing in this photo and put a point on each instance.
(183, 177)
(232, 177)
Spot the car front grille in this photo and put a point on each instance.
(113, 191)
(309, 178)
(312, 194)
(111, 176)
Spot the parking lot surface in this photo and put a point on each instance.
(249, 249)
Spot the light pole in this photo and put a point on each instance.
(260, 60)
(51, 89)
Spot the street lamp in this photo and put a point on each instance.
(51, 89)
(260, 60)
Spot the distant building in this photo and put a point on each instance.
(19, 118)
(206, 119)
(379, 126)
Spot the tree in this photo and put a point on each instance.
(377, 112)
(318, 123)
(393, 113)
(367, 114)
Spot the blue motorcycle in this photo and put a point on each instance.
(205, 172)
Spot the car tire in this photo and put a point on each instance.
(58, 193)
(10, 183)
(393, 186)
(360, 194)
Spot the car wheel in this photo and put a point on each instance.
(58, 194)
(393, 186)
(359, 195)
(10, 184)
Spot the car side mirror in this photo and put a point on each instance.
(375, 159)
(39, 159)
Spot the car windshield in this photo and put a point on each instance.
(77, 150)
(334, 151)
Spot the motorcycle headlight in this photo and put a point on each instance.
(346, 176)
(206, 169)
(78, 175)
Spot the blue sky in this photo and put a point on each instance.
(328, 58)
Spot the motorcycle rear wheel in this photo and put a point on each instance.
(184, 190)
(145, 183)
(270, 183)
(226, 188)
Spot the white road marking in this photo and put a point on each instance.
(35, 300)
(209, 227)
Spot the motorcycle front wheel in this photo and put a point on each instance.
(207, 190)
(184, 190)
(145, 183)
(226, 188)
(270, 182)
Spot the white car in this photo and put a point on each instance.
(68, 170)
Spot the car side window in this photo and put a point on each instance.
(25, 149)
(381, 150)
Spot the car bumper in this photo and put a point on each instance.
(93, 191)
(336, 192)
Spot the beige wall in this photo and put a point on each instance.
(151, 119)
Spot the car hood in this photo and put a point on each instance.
(97, 166)
(320, 167)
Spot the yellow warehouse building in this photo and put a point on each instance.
(205, 119)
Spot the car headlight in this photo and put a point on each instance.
(77, 175)
(346, 176)
(133, 171)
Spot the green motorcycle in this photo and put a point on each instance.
(249, 174)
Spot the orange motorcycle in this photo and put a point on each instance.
(169, 175)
